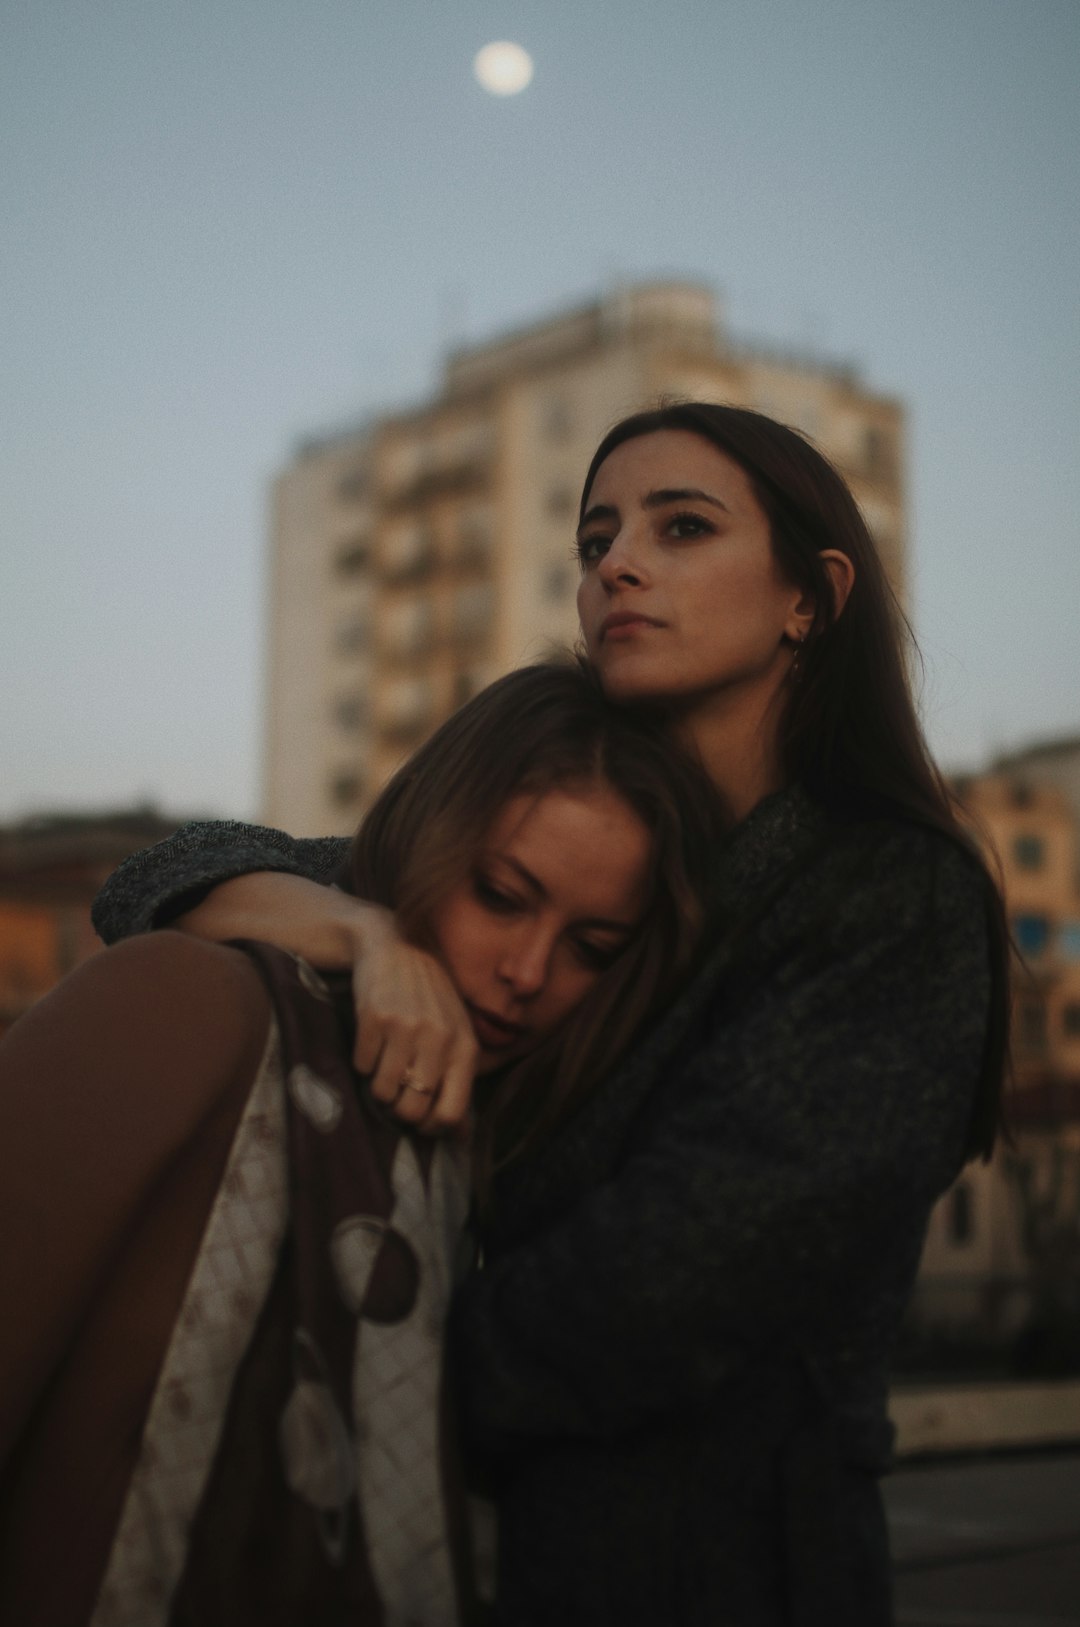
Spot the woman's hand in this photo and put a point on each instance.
(413, 1034)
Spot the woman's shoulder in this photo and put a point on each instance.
(868, 884)
(910, 903)
(916, 864)
(799, 849)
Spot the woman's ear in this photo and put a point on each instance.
(841, 574)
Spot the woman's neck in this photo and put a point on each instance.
(736, 739)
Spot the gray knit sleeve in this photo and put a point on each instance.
(155, 885)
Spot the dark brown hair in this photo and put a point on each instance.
(849, 732)
(538, 729)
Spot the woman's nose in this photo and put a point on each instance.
(525, 963)
(621, 565)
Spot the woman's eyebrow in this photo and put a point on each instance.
(599, 511)
(655, 499)
(680, 494)
(532, 882)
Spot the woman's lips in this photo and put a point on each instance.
(624, 625)
(494, 1033)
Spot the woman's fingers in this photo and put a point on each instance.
(410, 1073)
(450, 1108)
(414, 1037)
(388, 1074)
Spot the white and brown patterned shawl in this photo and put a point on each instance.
(297, 1463)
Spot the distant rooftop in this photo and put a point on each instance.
(684, 310)
(686, 313)
(41, 839)
(1040, 751)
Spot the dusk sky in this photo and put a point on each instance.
(231, 224)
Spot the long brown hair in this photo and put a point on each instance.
(538, 729)
(849, 731)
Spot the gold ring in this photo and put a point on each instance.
(409, 1083)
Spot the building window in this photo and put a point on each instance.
(1031, 1028)
(346, 790)
(472, 545)
(558, 583)
(1029, 852)
(558, 419)
(466, 685)
(1032, 933)
(961, 1220)
(559, 502)
(353, 486)
(1070, 940)
(474, 607)
(351, 635)
(350, 712)
(877, 453)
(1070, 1020)
(352, 557)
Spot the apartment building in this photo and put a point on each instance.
(420, 555)
(1001, 1239)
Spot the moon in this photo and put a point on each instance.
(503, 68)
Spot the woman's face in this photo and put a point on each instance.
(681, 597)
(556, 891)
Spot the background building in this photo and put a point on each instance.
(1001, 1268)
(418, 556)
(1048, 762)
(50, 869)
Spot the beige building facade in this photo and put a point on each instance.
(1007, 1235)
(419, 556)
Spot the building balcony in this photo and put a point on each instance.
(443, 480)
(406, 554)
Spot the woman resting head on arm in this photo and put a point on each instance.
(566, 777)
(551, 855)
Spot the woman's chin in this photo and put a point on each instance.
(491, 1062)
(625, 677)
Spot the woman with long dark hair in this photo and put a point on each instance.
(225, 1266)
(674, 1360)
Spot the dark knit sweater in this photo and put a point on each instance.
(675, 1356)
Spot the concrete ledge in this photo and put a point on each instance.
(985, 1417)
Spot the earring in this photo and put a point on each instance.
(796, 660)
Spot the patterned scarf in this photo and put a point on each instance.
(335, 1497)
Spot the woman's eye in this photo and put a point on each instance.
(492, 897)
(688, 525)
(591, 549)
(597, 957)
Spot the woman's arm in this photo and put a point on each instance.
(226, 881)
(152, 887)
(778, 1183)
(103, 1085)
